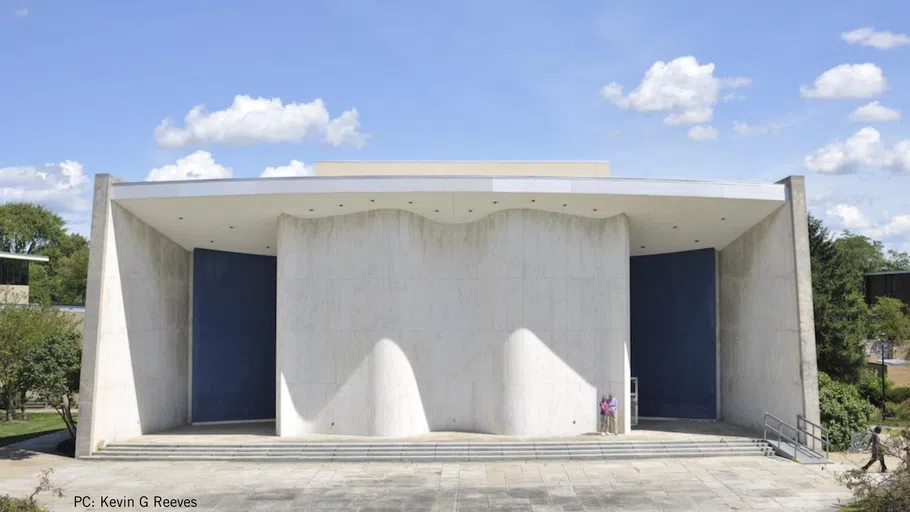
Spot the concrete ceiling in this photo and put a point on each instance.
(241, 215)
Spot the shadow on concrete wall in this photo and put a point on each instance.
(154, 288)
(389, 377)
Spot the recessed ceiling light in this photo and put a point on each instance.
(696, 241)
(595, 209)
(564, 205)
(533, 200)
(341, 206)
(231, 227)
(311, 209)
(674, 227)
(268, 247)
(211, 241)
(437, 211)
(495, 202)
(643, 247)
(469, 211)
(410, 202)
(179, 218)
(723, 218)
(372, 200)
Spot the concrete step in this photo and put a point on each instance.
(434, 452)
(438, 445)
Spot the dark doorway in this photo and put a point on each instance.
(234, 297)
(673, 334)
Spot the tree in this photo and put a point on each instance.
(889, 321)
(51, 370)
(26, 228)
(863, 255)
(841, 313)
(23, 329)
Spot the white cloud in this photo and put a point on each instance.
(865, 148)
(850, 217)
(21, 13)
(701, 132)
(847, 81)
(766, 127)
(874, 112)
(685, 89)
(735, 81)
(61, 187)
(196, 166)
(867, 36)
(343, 130)
(295, 168)
(262, 120)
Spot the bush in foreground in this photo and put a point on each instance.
(887, 493)
(29, 503)
(843, 411)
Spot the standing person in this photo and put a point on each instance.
(878, 454)
(612, 405)
(604, 406)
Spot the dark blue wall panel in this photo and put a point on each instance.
(673, 315)
(233, 336)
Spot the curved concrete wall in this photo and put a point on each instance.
(390, 324)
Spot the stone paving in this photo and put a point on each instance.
(739, 483)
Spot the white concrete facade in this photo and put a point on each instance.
(135, 359)
(408, 304)
(515, 324)
(767, 333)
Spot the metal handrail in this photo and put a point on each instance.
(797, 446)
(826, 443)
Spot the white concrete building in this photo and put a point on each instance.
(395, 299)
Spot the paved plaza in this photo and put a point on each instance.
(737, 483)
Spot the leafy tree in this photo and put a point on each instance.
(27, 228)
(889, 321)
(840, 310)
(864, 255)
(22, 330)
(51, 370)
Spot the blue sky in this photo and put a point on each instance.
(88, 84)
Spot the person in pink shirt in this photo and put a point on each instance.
(604, 408)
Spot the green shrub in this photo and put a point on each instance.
(29, 503)
(899, 394)
(10, 504)
(843, 410)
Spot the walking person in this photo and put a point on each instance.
(612, 406)
(604, 407)
(878, 453)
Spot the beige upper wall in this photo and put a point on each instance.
(545, 169)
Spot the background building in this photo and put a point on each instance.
(14, 276)
(393, 299)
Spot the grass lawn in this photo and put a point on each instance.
(38, 423)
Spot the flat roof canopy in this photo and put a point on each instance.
(241, 215)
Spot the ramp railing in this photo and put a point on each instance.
(783, 432)
(815, 432)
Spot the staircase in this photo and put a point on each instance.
(442, 451)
